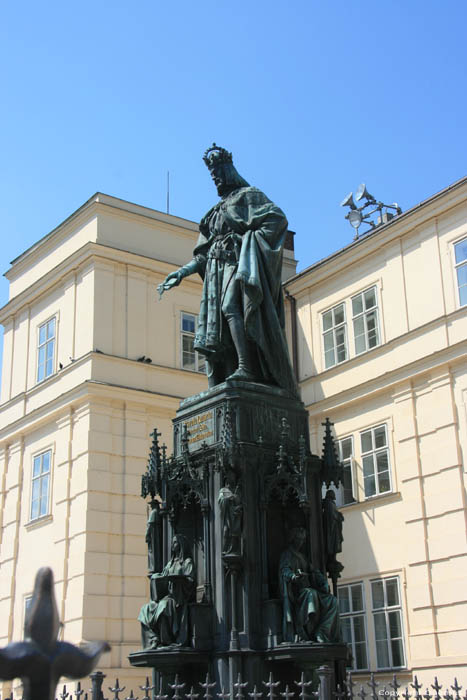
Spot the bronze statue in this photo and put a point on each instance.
(152, 539)
(231, 508)
(310, 612)
(164, 620)
(333, 536)
(239, 256)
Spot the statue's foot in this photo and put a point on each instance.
(243, 374)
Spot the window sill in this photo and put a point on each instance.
(376, 500)
(38, 522)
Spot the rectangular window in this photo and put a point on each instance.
(387, 618)
(190, 358)
(365, 320)
(375, 461)
(334, 336)
(352, 613)
(40, 485)
(344, 494)
(46, 350)
(460, 251)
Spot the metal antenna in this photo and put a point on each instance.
(168, 191)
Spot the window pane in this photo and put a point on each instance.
(360, 344)
(49, 368)
(339, 315)
(368, 465)
(461, 250)
(377, 593)
(370, 298)
(382, 462)
(341, 353)
(188, 344)
(380, 626)
(462, 275)
(328, 341)
(463, 296)
(51, 329)
(359, 628)
(201, 362)
(36, 485)
(41, 355)
(36, 470)
(42, 335)
(40, 373)
(346, 448)
(346, 629)
(380, 436)
(45, 462)
(348, 486)
(34, 509)
(360, 656)
(188, 323)
(392, 592)
(357, 598)
(397, 652)
(395, 631)
(329, 358)
(357, 305)
(370, 486)
(384, 483)
(189, 360)
(382, 654)
(367, 441)
(327, 320)
(344, 602)
(50, 350)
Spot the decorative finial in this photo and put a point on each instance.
(216, 155)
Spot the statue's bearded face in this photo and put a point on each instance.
(219, 176)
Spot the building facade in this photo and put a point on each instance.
(93, 362)
(382, 349)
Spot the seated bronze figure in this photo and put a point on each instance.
(310, 611)
(164, 620)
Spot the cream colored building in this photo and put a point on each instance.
(382, 350)
(79, 401)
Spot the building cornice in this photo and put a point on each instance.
(98, 202)
(89, 252)
(369, 243)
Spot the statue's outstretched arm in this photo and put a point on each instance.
(174, 278)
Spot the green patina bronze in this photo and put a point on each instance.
(239, 257)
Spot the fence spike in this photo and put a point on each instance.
(78, 692)
(160, 695)
(350, 685)
(417, 687)
(287, 694)
(239, 686)
(192, 695)
(131, 696)
(437, 687)
(340, 693)
(146, 688)
(176, 687)
(362, 693)
(270, 685)
(255, 695)
(303, 684)
(447, 695)
(223, 695)
(428, 695)
(373, 684)
(116, 689)
(456, 688)
(207, 685)
(395, 686)
(64, 693)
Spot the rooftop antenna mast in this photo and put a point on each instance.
(168, 191)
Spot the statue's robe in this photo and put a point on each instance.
(241, 241)
(309, 609)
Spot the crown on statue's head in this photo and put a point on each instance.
(216, 155)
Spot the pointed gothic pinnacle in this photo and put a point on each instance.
(41, 660)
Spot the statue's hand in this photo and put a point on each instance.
(173, 279)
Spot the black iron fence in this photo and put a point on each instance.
(270, 690)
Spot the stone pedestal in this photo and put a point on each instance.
(241, 477)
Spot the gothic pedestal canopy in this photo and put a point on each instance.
(233, 506)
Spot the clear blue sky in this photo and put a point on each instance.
(312, 98)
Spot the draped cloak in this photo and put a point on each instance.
(255, 228)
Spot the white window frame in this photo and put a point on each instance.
(387, 610)
(332, 331)
(374, 453)
(200, 362)
(364, 315)
(52, 341)
(352, 614)
(42, 477)
(349, 462)
(457, 266)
